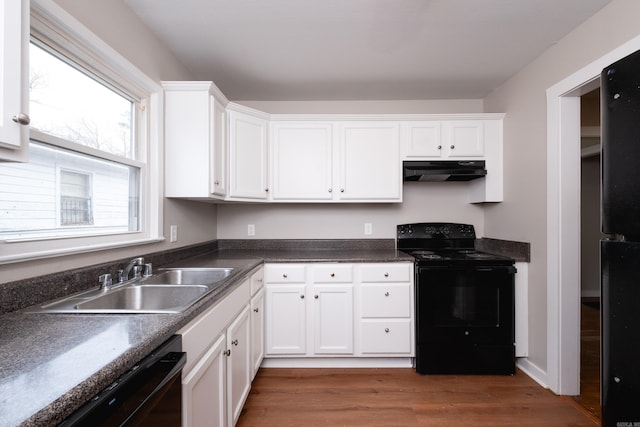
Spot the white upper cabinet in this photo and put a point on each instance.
(301, 161)
(14, 78)
(450, 139)
(247, 155)
(369, 161)
(195, 140)
(335, 161)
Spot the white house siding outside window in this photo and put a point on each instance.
(91, 152)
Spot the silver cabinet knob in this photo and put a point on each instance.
(301, 296)
(227, 352)
(386, 294)
(285, 275)
(439, 147)
(342, 190)
(453, 146)
(333, 274)
(234, 342)
(386, 330)
(255, 309)
(386, 274)
(315, 296)
(21, 119)
(330, 190)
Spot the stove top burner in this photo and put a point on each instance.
(442, 244)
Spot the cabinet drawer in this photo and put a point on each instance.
(284, 273)
(385, 300)
(385, 336)
(332, 273)
(396, 272)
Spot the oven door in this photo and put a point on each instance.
(465, 319)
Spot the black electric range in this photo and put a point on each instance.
(464, 301)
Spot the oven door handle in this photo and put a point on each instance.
(506, 268)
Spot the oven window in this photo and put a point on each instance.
(466, 305)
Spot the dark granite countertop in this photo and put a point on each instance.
(50, 364)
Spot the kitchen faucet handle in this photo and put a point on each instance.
(105, 281)
(148, 270)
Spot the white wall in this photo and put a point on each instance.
(523, 214)
(423, 201)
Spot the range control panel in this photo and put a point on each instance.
(436, 230)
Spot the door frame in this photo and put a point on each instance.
(563, 220)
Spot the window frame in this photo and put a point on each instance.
(52, 25)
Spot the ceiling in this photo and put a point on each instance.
(359, 49)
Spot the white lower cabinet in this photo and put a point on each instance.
(304, 309)
(257, 321)
(385, 310)
(321, 311)
(239, 368)
(203, 389)
(217, 377)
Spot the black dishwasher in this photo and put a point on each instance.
(149, 394)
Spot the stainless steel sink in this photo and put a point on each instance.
(146, 298)
(169, 291)
(188, 276)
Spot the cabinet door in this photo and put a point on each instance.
(286, 319)
(203, 389)
(301, 158)
(369, 165)
(464, 138)
(333, 319)
(248, 156)
(238, 365)
(14, 79)
(422, 139)
(257, 331)
(219, 151)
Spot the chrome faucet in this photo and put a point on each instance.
(136, 262)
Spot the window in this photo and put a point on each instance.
(75, 198)
(92, 179)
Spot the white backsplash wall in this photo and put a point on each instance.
(423, 202)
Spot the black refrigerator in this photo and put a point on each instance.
(620, 252)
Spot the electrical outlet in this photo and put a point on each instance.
(368, 228)
(251, 230)
(173, 233)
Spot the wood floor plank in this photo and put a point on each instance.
(401, 397)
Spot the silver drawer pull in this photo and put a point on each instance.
(333, 274)
(301, 296)
(386, 294)
(255, 310)
(386, 330)
(386, 274)
(285, 275)
(227, 352)
(315, 296)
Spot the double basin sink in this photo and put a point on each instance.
(171, 290)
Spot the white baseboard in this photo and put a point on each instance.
(338, 362)
(533, 371)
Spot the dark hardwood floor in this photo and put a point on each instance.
(590, 358)
(401, 397)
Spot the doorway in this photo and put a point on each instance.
(590, 235)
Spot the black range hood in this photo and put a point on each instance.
(443, 170)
